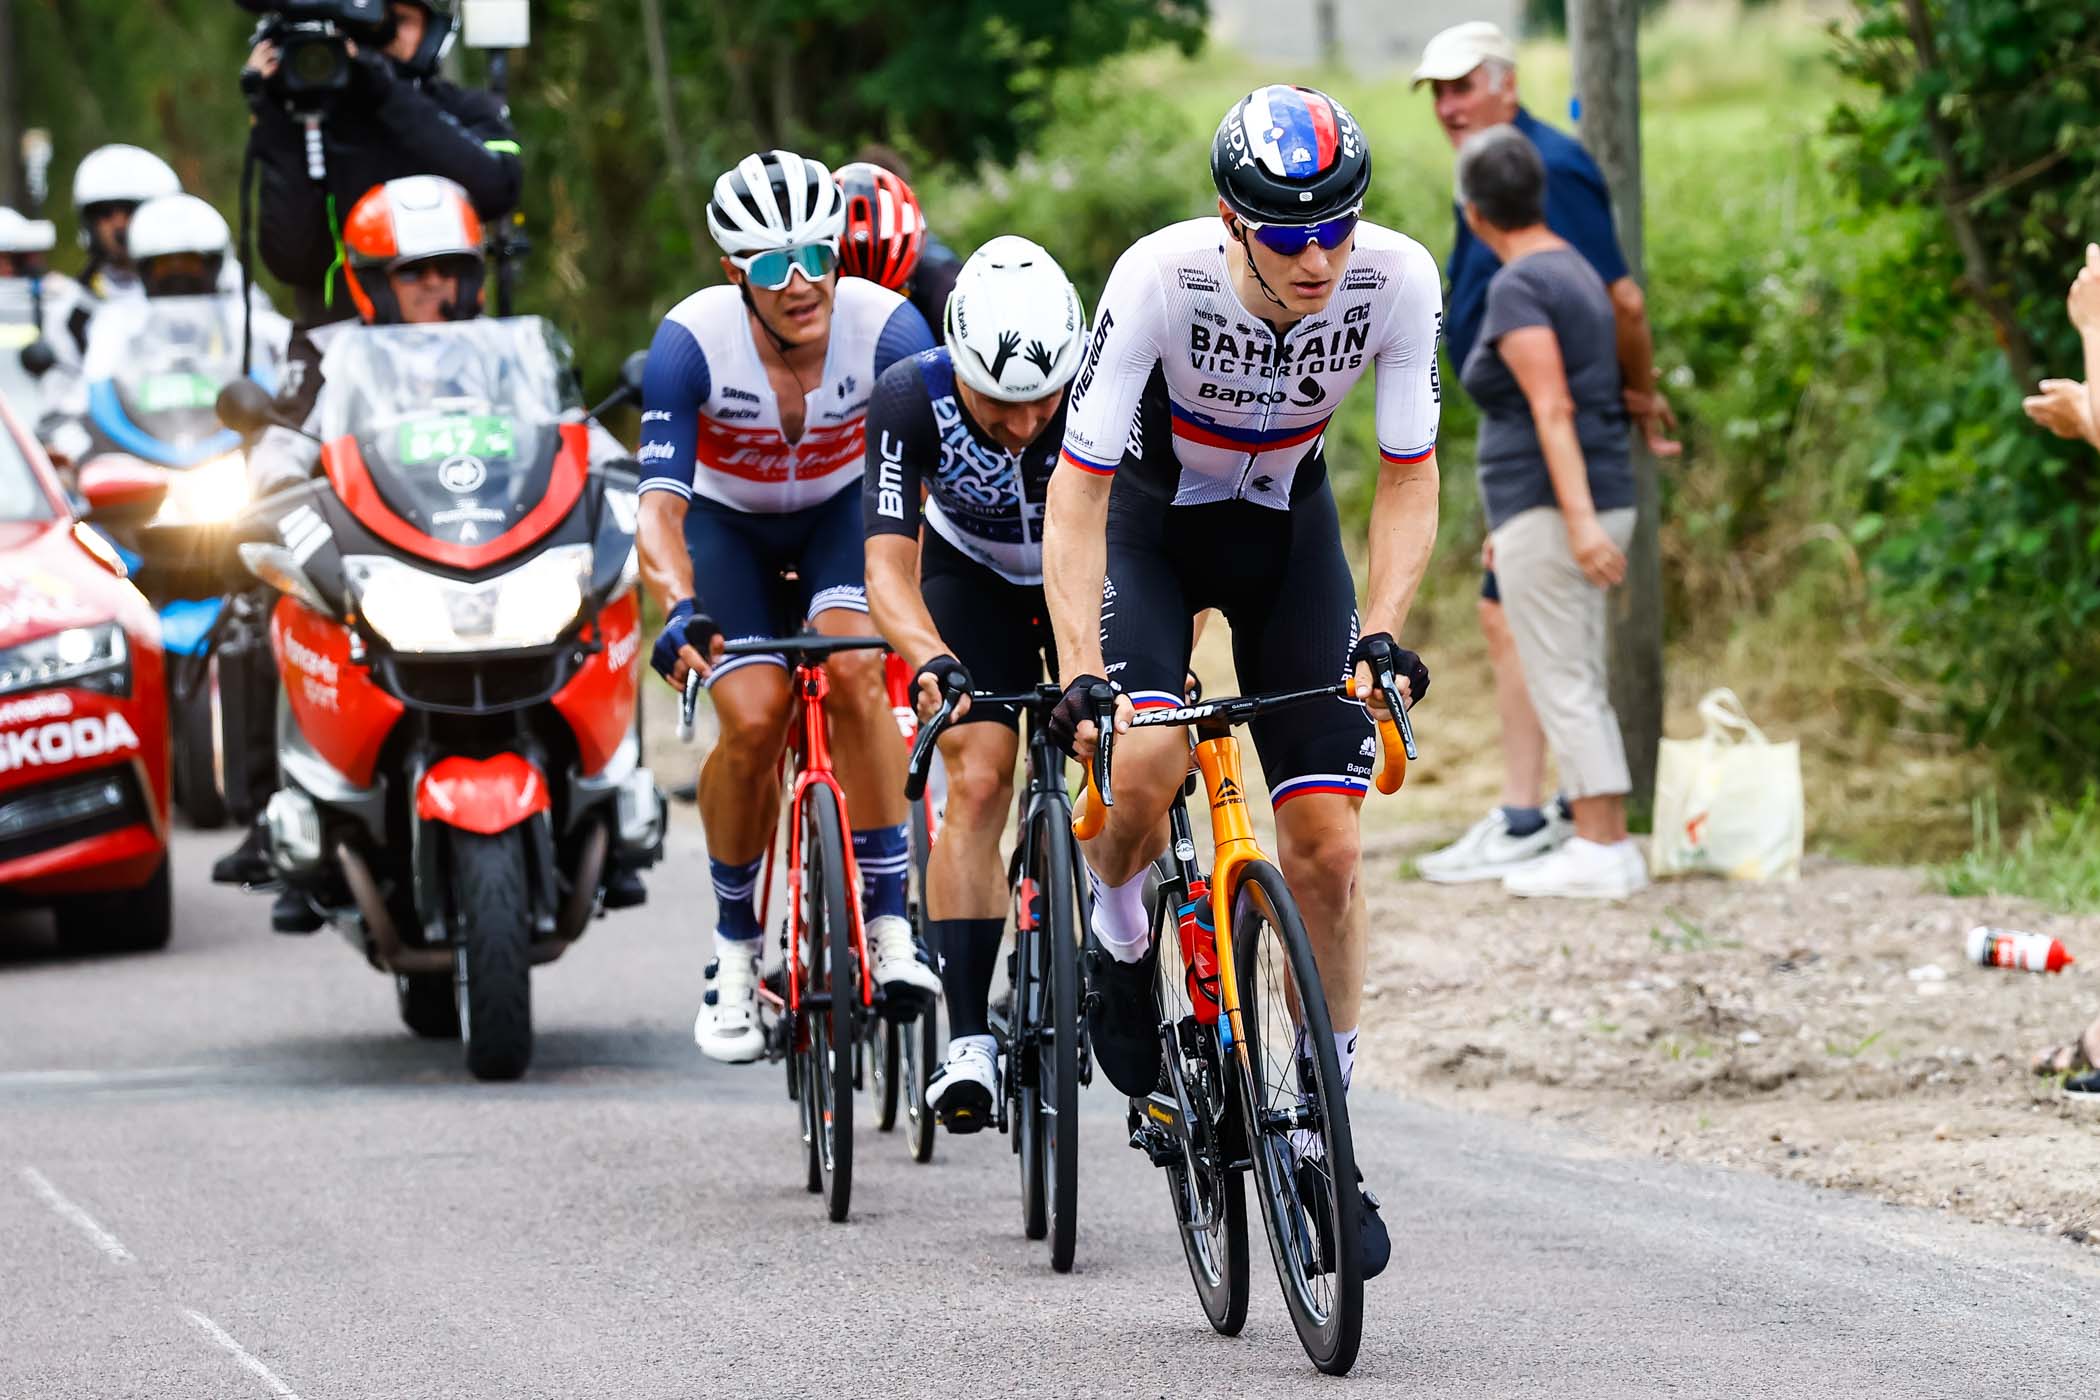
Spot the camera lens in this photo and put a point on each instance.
(317, 63)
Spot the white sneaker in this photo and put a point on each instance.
(900, 968)
(1488, 852)
(727, 1027)
(1583, 870)
(965, 1085)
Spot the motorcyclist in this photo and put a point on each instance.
(108, 187)
(177, 248)
(26, 281)
(412, 257)
(398, 118)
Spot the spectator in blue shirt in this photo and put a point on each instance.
(1472, 69)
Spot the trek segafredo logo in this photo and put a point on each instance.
(49, 745)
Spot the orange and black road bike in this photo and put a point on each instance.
(1252, 1085)
(825, 1003)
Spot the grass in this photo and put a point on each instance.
(2055, 858)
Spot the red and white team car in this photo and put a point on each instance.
(83, 715)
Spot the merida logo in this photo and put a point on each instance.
(1229, 793)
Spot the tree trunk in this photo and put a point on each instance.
(667, 116)
(10, 111)
(1605, 35)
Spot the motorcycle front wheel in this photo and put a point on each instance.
(493, 967)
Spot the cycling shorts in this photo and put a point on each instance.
(740, 556)
(1000, 631)
(1281, 580)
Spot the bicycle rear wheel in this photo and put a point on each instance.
(834, 969)
(1297, 1120)
(1209, 1196)
(922, 1051)
(885, 1055)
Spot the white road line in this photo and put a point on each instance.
(106, 1242)
(241, 1354)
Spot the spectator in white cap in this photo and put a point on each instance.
(1472, 69)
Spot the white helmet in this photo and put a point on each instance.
(122, 175)
(775, 199)
(20, 235)
(179, 223)
(1014, 326)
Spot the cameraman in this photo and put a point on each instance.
(395, 118)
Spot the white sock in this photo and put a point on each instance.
(1304, 1141)
(1345, 1055)
(1119, 916)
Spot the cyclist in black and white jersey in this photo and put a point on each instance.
(974, 426)
(1228, 343)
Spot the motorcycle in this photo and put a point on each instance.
(457, 632)
(153, 376)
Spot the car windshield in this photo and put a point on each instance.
(21, 494)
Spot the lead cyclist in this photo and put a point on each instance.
(1221, 349)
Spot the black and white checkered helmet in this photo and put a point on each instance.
(775, 199)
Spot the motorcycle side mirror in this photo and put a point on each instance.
(122, 491)
(632, 370)
(246, 407)
(38, 358)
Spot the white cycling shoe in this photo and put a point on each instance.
(727, 1028)
(964, 1086)
(900, 968)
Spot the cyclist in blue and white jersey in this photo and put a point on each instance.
(753, 408)
(974, 427)
(1227, 343)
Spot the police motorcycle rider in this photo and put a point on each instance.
(178, 251)
(109, 185)
(1228, 341)
(26, 282)
(396, 118)
(753, 410)
(974, 425)
(413, 257)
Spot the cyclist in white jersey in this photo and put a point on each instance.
(753, 407)
(1227, 343)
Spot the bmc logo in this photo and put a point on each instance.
(90, 736)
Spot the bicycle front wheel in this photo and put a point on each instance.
(834, 972)
(1296, 1119)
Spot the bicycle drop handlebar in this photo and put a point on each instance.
(810, 646)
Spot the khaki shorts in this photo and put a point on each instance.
(1556, 616)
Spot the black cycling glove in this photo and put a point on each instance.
(683, 627)
(1074, 708)
(1381, 646)
(947, 673)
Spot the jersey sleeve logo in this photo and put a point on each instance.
(1093, 357)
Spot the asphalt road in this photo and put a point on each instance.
(225, 1171)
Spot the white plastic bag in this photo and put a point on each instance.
(1728, 802)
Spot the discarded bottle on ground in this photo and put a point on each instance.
(2029, 952)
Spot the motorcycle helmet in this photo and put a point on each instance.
(25, 241)
(419, 218)
(123, 175)
(440, 28)
(1290, 155)
(179, 244)
(1014, 328)
(884, 226)
(775, 199)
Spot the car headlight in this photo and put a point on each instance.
(413, 610)
(209, 493)
(92, 658)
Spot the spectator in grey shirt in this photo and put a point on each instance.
(1557, 484)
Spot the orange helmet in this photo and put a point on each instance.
(884, 226)
(422, 218)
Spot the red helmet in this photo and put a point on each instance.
(884, 227)
(421, 218)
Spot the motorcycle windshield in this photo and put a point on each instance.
(154, 369)
(458, 423)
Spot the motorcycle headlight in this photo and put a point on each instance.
(413, 610)
(92, 658)
(209, 493)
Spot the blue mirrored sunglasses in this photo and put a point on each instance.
(1291, 239)
(773, 269)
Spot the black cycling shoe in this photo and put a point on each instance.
(688, 793)
(624, 889)
(1122, 1021)
(1373, 1243)
(293, 912)
(247, 863)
